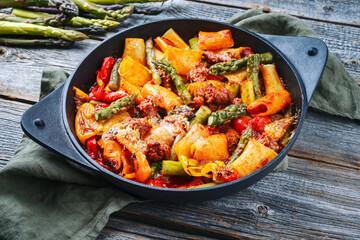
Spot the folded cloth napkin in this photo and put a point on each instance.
(43, 197)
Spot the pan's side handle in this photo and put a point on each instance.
(308, 55)
(43, 123)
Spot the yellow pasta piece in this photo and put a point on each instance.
(236, 77)
(132, 89)
(210, 149)
(135, 48)
(158, 54)
(183, 60)
(255, 156)
(277, 129)
(134, 72)
(192, 87)
(247, 91)
(215, 40)
(161, 96)
(272, 80)
(173, 37)
(183, 147)
(118, 118)
(85, 124)
(235, 51)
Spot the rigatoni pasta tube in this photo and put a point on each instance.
(271, 78)
(255, 156)
(134, 72)
(183, 147)
(161, 96)
(213, 148)
(173, 37)
(247, 91)
(215, 40)
(135, 48)
(183, 60)
(269, 104)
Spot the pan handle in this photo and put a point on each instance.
(308, 55)
(43, 124)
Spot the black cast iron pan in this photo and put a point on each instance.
(300, 61)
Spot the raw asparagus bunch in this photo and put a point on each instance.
(248, 133)
(38, 30)
(107, 2)
(116, 15)
(41, 18)
(67, 9)
(103, 23)
(227, 114)
(234, 65)
(51, 42)
(115, 107)
(179, 84)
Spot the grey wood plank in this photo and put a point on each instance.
(335, 11)
(119, 228)
(306, 202)
(21, 67)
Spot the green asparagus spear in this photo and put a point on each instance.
(118, 15)
(115, 107)
(284, 140)
(172, 168)
(201, 115)
(234, 65)
(114, 81)
(43, 18)
(107, 2)
(194, 44)
(68, 8)
(35, 42)
(234, 89)
(253, 66)
(242, 144)
(37, 30)
(150, 57)
(81, 22)
(227, 114)
(155, 168)
(179, 84)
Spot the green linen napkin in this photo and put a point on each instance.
(43, 197)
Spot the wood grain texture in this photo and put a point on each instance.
(24, 65)
(307, 201)
(335, 11)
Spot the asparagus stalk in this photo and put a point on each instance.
(155, 168)
(104, 23)
(91, 30)
(234, 89)
(248, 132)
(201, 115)
(172, 168)
(115, 107)
(227, 114)
(234, 65)
(253, 64)
(150, 58)
(107, 2)
(114, 81)
(284, 140)
(43, 9)
(35, 42)
(42, 18)
(68, 8)
(117, 15)
(179, 84)
(37, 30)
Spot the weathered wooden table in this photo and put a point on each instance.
(317, 197)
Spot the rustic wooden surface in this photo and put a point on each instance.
(317, 197)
